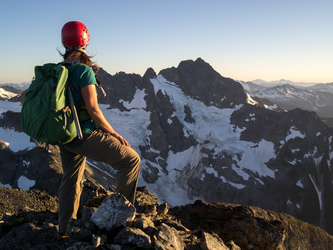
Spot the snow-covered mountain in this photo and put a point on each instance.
(317, 98)
(200, 136)
(10, 91)
(282, 82)
(19, 86)
(5, 95)
(328, 87)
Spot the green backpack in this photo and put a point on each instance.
(46, 114)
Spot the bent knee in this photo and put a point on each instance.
(137, 159)
(134, 157)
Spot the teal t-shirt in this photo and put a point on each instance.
(83, 76)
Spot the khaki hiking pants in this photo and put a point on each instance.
(98, 146)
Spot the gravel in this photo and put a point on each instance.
(12, 200)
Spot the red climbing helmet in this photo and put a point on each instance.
(74, 34)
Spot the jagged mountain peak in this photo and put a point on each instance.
(150, 73)
(195, 78)
(200, 81)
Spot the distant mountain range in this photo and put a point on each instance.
(283, 81)
(19, 86)
(317, 98)
(263, 83)
(8, 91)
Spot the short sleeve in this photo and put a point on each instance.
(82, 76)
(85, 76)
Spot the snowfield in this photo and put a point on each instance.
(211, 124)
(16, 141)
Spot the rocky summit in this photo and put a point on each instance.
(106, 220)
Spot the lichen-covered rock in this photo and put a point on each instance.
(134, 236)
(211, 242)
(114, 212)
(145, 224)
(168, 238)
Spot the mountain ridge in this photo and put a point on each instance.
(318, 98)
(284, 81)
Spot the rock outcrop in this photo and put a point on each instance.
(153, 226)
(41, 165)
(252, 227)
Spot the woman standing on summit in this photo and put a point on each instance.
(100, 141)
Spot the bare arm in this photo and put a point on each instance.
(90, 100)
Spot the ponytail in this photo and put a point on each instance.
(82, 57)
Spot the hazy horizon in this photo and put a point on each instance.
(256, 81)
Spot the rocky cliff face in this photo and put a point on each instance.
(202, 137)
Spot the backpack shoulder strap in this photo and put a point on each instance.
(71, 66)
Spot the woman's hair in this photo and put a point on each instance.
(83, 57)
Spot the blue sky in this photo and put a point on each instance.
(241, 39)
